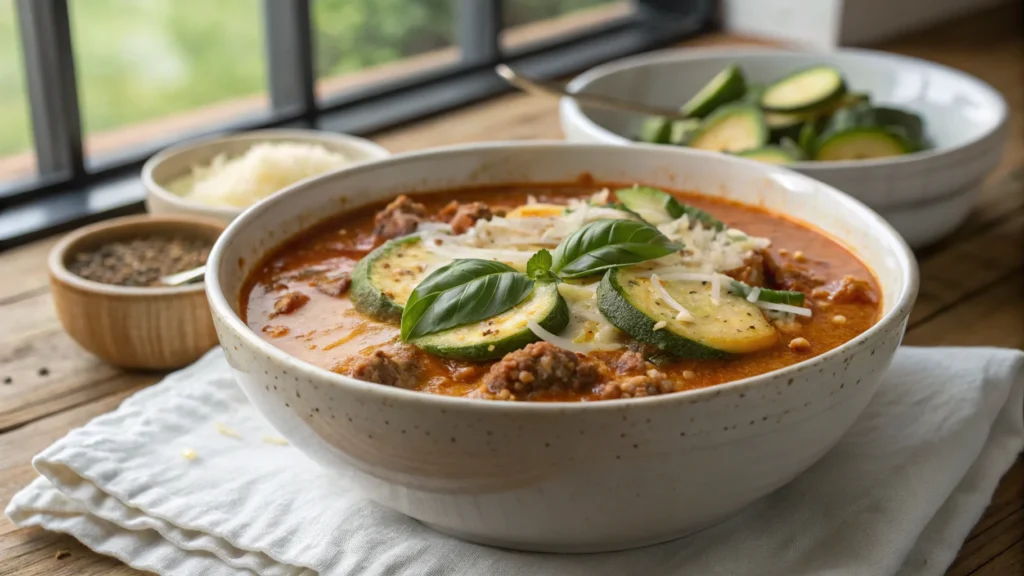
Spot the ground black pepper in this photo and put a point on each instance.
(140, 261)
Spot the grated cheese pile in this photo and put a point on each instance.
(264, 169)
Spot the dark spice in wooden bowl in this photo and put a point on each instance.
(140, 261)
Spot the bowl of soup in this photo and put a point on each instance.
(562, 347)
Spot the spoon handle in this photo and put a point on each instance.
(186, 277)
(553, 89)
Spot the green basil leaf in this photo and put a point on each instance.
(460, 293)
(539, 267)
(605, 244)
(641, 199)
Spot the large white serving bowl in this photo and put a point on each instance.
(925, 195)
(565, 477)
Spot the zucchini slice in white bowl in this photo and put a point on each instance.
(804, 90)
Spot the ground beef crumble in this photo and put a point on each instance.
(289, 303)
(399, 218)
(462, 217)
(651, 383)
(752, 273)
(393, 367)
(540, 366)
(849, 290)
(788, 276)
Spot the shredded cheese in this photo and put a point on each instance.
(264, 169)
(225, 431)
(567, 344)
(683, 315)
(275, 440)
(785, 308)
(754, 294)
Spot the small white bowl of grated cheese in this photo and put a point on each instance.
(222, 176)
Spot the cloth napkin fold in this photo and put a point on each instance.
(186, 478)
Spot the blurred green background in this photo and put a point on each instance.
(142, 59)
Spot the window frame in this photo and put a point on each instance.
(70, 189)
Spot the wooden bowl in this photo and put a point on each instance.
(156, 328)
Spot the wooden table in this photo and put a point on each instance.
(971, 294)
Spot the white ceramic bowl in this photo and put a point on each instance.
(566, 477)
(177, 161)
(924, 195)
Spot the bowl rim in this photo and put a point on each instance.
(571, 111)
(221, 308)
(269, 134)
(60, 273)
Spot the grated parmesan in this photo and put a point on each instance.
(570, 345)
(264, 169)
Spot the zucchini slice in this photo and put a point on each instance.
(657, 207)
(733, 326)
(727, 86)
(862, 144)
(908, 124)
(771, 155)
(656, 130)
(804, 90)
(682, 130)
(784, 125)
(508, 331)
(384, 278)
(732, 129)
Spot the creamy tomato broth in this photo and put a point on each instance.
(819, 295)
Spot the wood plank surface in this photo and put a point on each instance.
(971, 294)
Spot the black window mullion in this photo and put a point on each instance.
(290, 57)
(479, 30)
(52, 91)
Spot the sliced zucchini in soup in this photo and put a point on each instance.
(732, 129)
(862, 144)
(384, 278)
(771, 155)
(656, 130)
(727, 86)
(732, 326)
(501, 334)
(804, 90)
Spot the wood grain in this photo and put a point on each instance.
(971, 294)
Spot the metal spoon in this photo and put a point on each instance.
(556, 89)
(186, 277)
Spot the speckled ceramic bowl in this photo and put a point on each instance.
(925, 196)
(565, 477)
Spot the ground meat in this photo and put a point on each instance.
(540, 366)
(788, 276)
(462, 217)
(849, 290)
(336, 285)
(289, 303)
(752, 272)
(399, 218)
(395, 367)
(631, 363)
(651, 383)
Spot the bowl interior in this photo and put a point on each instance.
(956, 107)
(258, 231)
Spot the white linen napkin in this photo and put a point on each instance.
(897, 496)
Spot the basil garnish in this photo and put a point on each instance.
(646, 197)
(460, 293)
(605, 244)
(539, 267)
